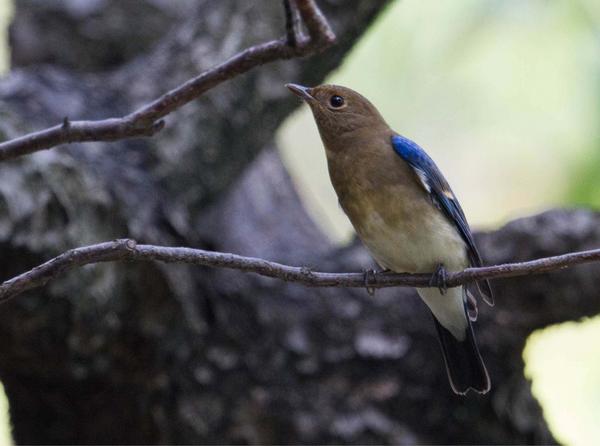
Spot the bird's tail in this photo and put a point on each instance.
(463, 362)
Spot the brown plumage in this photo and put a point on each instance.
(396, 216)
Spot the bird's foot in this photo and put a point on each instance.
(439, 277)
(371, 278)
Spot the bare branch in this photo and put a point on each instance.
(315, 22)
(292, 20)
(76, 131)
(127, 249)
(146, 121)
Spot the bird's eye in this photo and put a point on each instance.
(336, 101)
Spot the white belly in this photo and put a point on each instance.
(415, 245)
(419, 246)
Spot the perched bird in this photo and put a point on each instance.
(406, 215)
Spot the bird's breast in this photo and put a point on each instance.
(395, 218)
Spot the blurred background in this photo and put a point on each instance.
(503, 95)
(6, 10)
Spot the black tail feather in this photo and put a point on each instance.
(463, 362)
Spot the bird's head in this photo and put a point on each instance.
(339, 110)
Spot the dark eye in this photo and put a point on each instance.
(336, 101)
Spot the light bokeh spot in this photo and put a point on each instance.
(564, 362)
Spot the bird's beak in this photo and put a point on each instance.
(300, 91)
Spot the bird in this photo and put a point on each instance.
(406, 215)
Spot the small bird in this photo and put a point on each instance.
(406, 215)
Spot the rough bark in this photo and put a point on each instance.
(89, 35)
(127, 353)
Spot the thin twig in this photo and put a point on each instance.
(315, 22)
(292, 23)
(147, 120)
(126, 249)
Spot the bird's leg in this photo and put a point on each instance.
(371, 278)
(439, 277)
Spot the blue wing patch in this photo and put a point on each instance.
(442, 196)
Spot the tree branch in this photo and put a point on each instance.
(146, 121)
(315, 22)
(292, 21)
(127, 249)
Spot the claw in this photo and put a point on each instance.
(370, 277)
(438, 279)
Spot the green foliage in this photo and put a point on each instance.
(584, 189)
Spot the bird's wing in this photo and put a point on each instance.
(441, 195)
